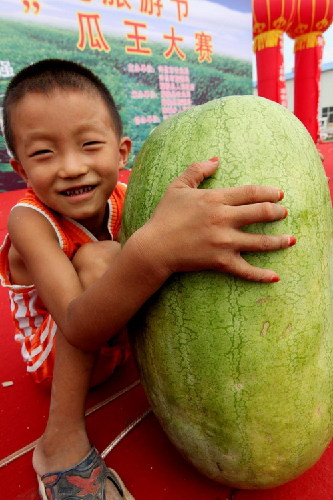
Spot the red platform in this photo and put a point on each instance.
(145, 459)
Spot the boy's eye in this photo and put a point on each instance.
(91, 143)
(40, 152)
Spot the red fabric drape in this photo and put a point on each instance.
(270, 71)
(312, 18)
(307, 85)
(271, 18)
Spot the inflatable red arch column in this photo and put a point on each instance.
(271, 18)
(312, 18)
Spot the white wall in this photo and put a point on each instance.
(326, 88)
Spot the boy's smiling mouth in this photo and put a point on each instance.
(75, 191)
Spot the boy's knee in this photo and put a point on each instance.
(93, 259)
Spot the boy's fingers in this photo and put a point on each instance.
(196, 173)
(239, 267)
(258, 212)
(245, 195)
(250, 242)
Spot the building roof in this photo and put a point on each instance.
(289, 76)
(325, 67)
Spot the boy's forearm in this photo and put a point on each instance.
(110, 302)
(190, 230)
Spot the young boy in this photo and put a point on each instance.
(67, 277)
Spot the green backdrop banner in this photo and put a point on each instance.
(158, 57)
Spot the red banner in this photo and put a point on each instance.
(270, 19)
(312, 18)
(306, 84)
(270, 71)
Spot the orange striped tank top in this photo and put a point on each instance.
(34, 326)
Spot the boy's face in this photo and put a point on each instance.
(68, 152)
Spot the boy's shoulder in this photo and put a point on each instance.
(30, 219)
(29, 199)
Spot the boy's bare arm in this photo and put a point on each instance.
(190, 230)
(46, 264)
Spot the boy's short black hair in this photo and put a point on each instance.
(47, 75)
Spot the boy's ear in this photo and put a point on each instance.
(17, 167)
(124, 150)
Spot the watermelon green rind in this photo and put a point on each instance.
(240, 373)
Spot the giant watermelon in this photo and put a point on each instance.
(239, 373)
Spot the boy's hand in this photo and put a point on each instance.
(195, 229)
(190, 230)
